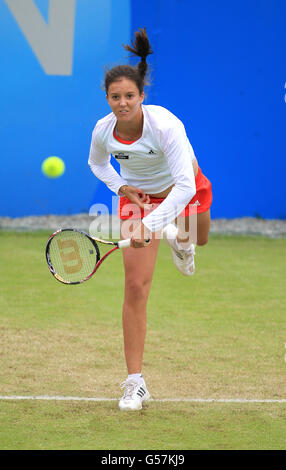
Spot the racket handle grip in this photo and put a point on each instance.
(124, 243)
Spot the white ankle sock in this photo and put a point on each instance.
(136, 376)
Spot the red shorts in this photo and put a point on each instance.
(201, 202)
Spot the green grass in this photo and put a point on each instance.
(40, 426)
(219, 334)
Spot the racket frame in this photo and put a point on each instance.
(94, 241)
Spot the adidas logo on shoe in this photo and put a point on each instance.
(141, 392)
(178, 254)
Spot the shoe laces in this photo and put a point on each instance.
(129, 386)
(185, 254)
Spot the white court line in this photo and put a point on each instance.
(156, 400)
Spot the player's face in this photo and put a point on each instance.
(125, 100)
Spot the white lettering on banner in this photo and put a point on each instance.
(52, 43)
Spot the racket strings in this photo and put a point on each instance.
(73, 255)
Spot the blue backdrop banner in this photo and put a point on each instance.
(53, 56)
(218, 65)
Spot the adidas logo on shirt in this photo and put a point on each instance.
(151, 152)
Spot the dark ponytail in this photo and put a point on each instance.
(140, 47)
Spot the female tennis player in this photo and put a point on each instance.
(162, 192)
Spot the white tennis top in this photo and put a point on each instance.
(160, 158)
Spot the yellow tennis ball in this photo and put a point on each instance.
(53, 167)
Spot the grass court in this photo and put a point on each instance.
(218, 335)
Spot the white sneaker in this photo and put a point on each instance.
(134, 395)
(184, 260)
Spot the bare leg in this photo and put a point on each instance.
(139, 264)
(194, 229)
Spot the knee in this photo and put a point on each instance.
(137, 289)
(202, 240)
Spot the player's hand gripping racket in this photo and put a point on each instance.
(73, 256)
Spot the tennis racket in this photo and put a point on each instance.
(73, 256)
